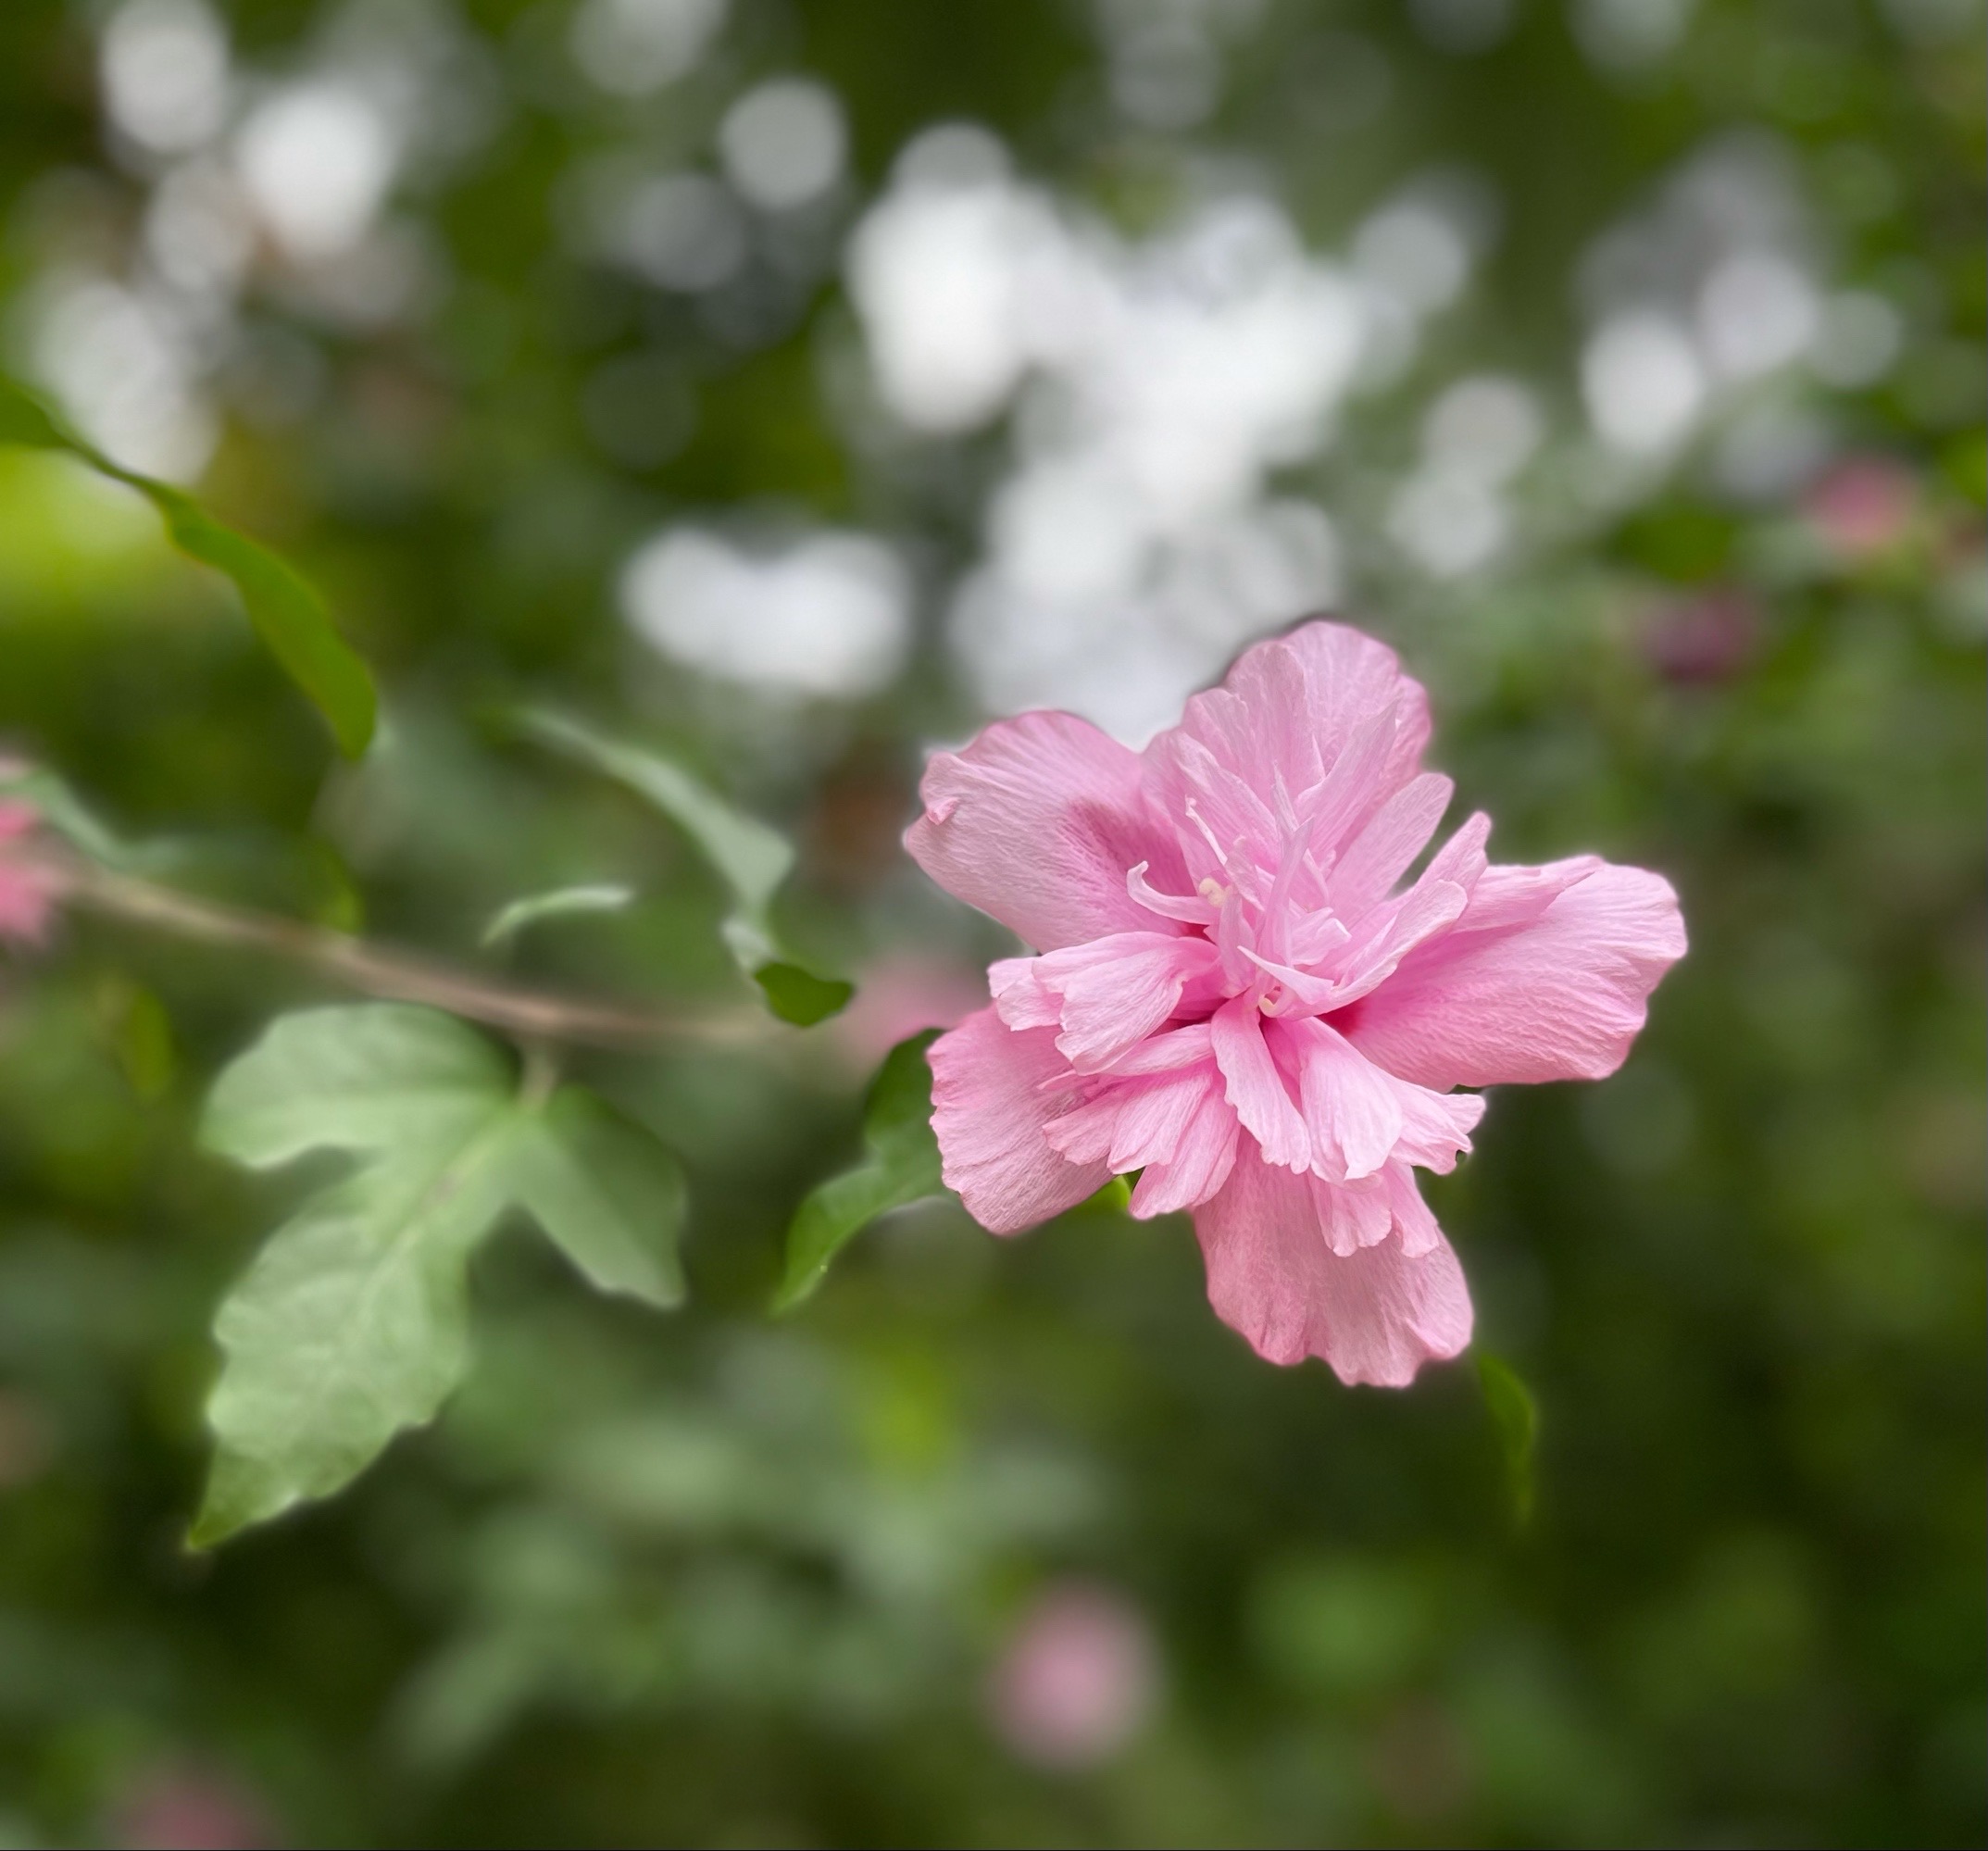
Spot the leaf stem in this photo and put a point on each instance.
(400, 976)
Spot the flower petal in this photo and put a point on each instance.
(1200, 1164)
(1375, 1315)
(1436, 1126)
(1352, 1109)
(1113, 992)
(1131, 1123)
(1166, 1052)
(1380, 854)
(1288, 707)
(1255, 1088)
(1354, 1215)
(1035, 823)
(993, 1098)
(1019, 997)
(1414, 1225)
(1560, 997)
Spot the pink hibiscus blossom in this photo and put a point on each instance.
(1235, 995)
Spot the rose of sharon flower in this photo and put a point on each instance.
(1236, 996)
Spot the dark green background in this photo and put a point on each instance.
(710, 1579)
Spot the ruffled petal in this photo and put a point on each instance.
(1255, 1088)
(1133, 1123)
(1019, 994)
(1377, 858)
(1435, 1127)
(1354, 1215)
(1289, 707)
(1352, 1109)
(1375, 1315)
(1558, 997)
(993, 1098)
(1200, 1165)
(1110, 994)
(1036, 824)
(1414, 1227)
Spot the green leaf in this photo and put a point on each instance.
(607, 1193)
(368, 1077)
(141, 1035)
(902, 1168)
(1515, 1415)
(751, 859)
(285, 609)
(350, 1324)
(23, 419)
(1114, 1198)
(799, 997)
(560, 902)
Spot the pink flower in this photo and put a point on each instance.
(191, 1809)
(1864, 505)
(1236, 996)
(1704, 639)
(1076, 1679)
(27, 888)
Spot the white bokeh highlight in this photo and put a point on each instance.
(827, 615)
(1156, 386)
(163, 65)
(632, 47)
(784, 143)
(318, 159)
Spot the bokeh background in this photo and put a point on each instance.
(792, 383)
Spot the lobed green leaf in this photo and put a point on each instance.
(350, 1324)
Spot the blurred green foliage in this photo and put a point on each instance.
(716, 1579)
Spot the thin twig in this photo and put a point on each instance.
(400, 976)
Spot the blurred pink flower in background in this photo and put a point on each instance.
(28, 888)
(184, 1806)
(899, 994)
(1704, 639)
(1234, 999)
(1863, 505)
(1076, 1678)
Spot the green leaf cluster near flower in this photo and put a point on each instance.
(351, 1324)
